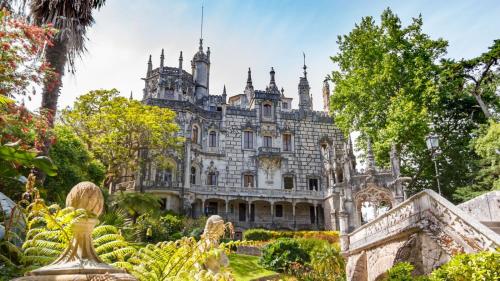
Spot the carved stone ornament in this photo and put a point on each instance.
(79, 261)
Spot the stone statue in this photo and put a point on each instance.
(214, 230)
(79, 261)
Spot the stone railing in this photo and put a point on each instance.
(429, 212)
(269, 150)
(258, 192)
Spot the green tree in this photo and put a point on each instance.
(117, 129)
(75, 164)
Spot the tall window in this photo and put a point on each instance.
(285, 105)
(287, 142)
(268, 141)
(248, 180)
(212, 179)
(313, 184)
(193, 175)
(194, 137)
(288, 182)
(167, 176)
(212, 139)
(248, 139)
(267, 110)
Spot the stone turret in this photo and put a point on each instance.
(162, 59)
(150, 67)
(272, 83)
(249, 90)
(326, 95)
(201, 71)
(305, 99)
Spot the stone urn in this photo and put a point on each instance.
(79, 261)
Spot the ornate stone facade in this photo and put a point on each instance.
(254, 160)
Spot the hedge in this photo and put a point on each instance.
(266, 235)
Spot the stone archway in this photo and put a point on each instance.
(373, 199)
(357, 268)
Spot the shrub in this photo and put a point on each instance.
(465, 267)
(311, 245)
(282, 253)
(266, 235)
(257, 235)
(400, 272)
(326, 262)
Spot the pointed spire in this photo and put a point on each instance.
(224, 95)
(150, 66)
(180, 63)
(208, 53)
(162, 58)
(272, 82)
(200, 48)
(249, 79)
(131, 96)
(305, 67)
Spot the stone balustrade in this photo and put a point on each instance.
(258, 192)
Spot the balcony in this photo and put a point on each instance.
(258, 192)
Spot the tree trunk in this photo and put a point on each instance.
(481, 103)
(56, 56)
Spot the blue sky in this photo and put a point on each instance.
(256, 34)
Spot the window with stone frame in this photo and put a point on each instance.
(193, 175)
(212, 178)
(288, 182)
(267, 141)
(212, 139)
(248, 139)
(279, 211)
(287, 142)
(285, 105)
(195, 134)
(314, 184)
(248, 181)
(267, 110)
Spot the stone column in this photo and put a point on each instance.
(227, 209)
(333, 222)
(316, 220)
(203, 207)
(293, 213)
(272, 212)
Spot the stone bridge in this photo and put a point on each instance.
(425, 230)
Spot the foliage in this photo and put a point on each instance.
(75, 164)
(400, 272)
(246, 268)
(282, 253)
(11, 235)
(266, 235)
(137, 204)
(327, 263)
(135, 126)
(49, 232)
(20, 64)
(179, 260)
(257, 235)
(470, 267)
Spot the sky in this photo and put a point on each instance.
(254, 33)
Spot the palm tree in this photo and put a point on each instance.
(72, 19)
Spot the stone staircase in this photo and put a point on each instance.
(485, 208)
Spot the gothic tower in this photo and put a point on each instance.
(201, 71)
(305, 99)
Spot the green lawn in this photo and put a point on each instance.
(245, 268)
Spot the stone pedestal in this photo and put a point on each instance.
(79, 261)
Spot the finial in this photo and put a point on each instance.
(282, 91)
(86, 195)
(162, 58)
(305, 67)
(272, 75)
(131, 96)
(150, 65)
(249, 78)
(200, 48)
(208, 52)
(180, 63)
(224, 90)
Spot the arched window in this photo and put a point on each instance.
(212, 178)
(193, 175)
(195, 134)
(212, 139)
(287, 142)
(267, 110)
